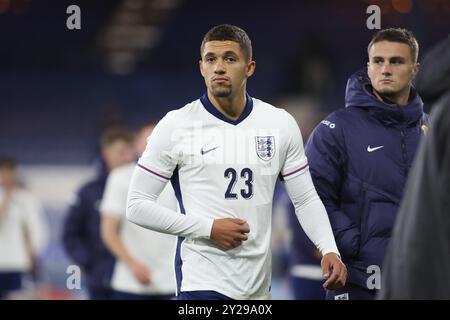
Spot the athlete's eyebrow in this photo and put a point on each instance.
(230, 52)
(210, 54)
(226, 53)
(400, 58)
(397, 58)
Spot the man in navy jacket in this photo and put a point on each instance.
(81, 231)
(360, 157)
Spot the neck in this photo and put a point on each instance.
(400, 99)
(231, 106)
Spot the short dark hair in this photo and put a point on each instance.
(113, 134)
(229, 32)
(145, 125)
(397, 35)
(8, 162)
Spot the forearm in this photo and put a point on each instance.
(143, 210)
(311, 212)
(112, 240)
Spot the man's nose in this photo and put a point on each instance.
(386, 69)
(219, 67)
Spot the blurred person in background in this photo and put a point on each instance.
(302, 259)
(23, 230)
(81, 229)
(144, 269)
(360, 157)
(305, 272)
(418, 260)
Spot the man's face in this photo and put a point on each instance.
(117, 153)
(8, 177)
(224, 67)
(391, 68)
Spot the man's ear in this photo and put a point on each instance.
(200, 66)
(415, 70)
(368, 68)
(250, 68)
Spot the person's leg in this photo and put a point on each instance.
(201, 295)
(100, 294)
(351, 292)
(307, 289)
(120, 295)
(9, 281)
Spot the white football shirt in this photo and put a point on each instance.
(24, 211)
(222, 168)
(156, 250)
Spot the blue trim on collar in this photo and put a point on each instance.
(216, 113)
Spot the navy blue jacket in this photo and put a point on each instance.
(81, 235)
(359, 159)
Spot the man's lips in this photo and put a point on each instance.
(386, 81)
(220, 80)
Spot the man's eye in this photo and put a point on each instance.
(230, 59)
(211, 59)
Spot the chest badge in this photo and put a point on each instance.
(265, 147)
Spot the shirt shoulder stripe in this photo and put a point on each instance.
(295, 171)
(153, 172)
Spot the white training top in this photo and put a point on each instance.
(154, 249)
(222, 168)
(24, 214)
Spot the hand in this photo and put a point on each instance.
(229, 233)
(140, 272)
(338, 278)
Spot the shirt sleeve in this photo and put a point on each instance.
(296, 161)
(161, 157)
(311, 212)
(114, 201)
(143, 210)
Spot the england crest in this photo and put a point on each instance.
(265, 147)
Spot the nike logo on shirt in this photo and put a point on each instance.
(206, 151)
(369, 149)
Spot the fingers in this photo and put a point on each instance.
(243, 225)
(338, 278)
(230, 245)
(329, 284)
(229, 233)
(244, 228)
(238, 220)
(241, 237)
(325, 270)
(343, 277)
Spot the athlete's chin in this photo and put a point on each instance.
(388, 91)
(221, 92)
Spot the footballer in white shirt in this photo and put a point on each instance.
(144, 266)
(223, 154)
